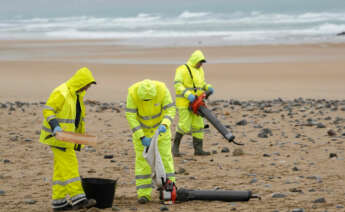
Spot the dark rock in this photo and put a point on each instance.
(30, 201)
(164, 208)
(320, 200)
(297, 210)
(214, 152)
(264, 133)
(340, 206)
(341, 34)
(278, 195)
(266, 155)
(238, 152)
(181, 170)
(332, 155)
(312, 190)
(295, 169)
(115, 208)
(2, 193)
(242, 123)
(320, 125)
(295, 190)
(108, 156)
(225, 149)
(254, 180)
(6, 161)
(331, 133)
(27, 140)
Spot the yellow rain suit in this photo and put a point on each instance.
(185, 84)
(144, 117)
(62, 106)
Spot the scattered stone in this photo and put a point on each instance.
(295, 169)
(238, 152)
(333, 155)
(265, 132)
(320, 125)
(93, 209)
(27, 140)
(297, 210)
(296, 190)
(278, 195)
(181, 170)
(340, 206)
(266, 155)
(242, 123)
(254, 180)
(6, 161)
(225, 149)
(214, 152)
(2, 193)
(164, 208)
(30, 201)
(331, 133)
(115, 208)
(108, 156)
(320, 200)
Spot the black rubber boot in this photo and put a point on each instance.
(197, 144)
(176, 145)
(85, 204)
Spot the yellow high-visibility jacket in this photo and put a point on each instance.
(145, 116)
(183, 81)
(61, 106)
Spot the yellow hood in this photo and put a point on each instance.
(196, 57)
(80, 79)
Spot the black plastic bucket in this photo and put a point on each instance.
(102, 190)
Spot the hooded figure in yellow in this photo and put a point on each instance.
(189, 84)
(150, 108)
(65, 111)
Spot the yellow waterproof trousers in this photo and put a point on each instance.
(143, 170)
(66, 179)
(189, 122)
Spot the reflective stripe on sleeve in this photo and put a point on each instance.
(136, 129)
(69, 121)
(49, 108)
(46, 129)
(168, 105)
(50, 117)
(131, 110)
(176, 82)
(168, 117)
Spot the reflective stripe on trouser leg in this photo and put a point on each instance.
(190, 123)
(143, 179)
(66, 179)
(164, 146)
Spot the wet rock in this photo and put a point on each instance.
(254, 180)
(108, 156)
(242, 123)
(225, 149)
(264, 133)
(295, 190)
(297, 210)
(2, 193)
(238, 152)
(181, 170)
(115, 208)
(164, 208)
(30, 201)
(331, 133)
(278, 195)
(332, 155)
(320, 200)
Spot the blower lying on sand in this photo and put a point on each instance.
(199, 108)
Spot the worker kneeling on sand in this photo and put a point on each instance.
(150, 108)
(190, 83)
(65, 111)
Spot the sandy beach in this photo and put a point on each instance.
(290, 99)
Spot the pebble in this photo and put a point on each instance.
(331, 133)
(278, 195)
(115, 208)
(238, 152)
(297, 210)
(340, 206)
(30, 201)
(225, 149)
(2, 193)
(320, 200)
(164, 208)
(332, 155)
(108, 156)
(254, 180)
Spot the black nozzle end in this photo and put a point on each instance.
(231, 138)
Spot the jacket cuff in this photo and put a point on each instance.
(53, 123)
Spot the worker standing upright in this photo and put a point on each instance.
(65, 111)
(150, 108)
(190, 83)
